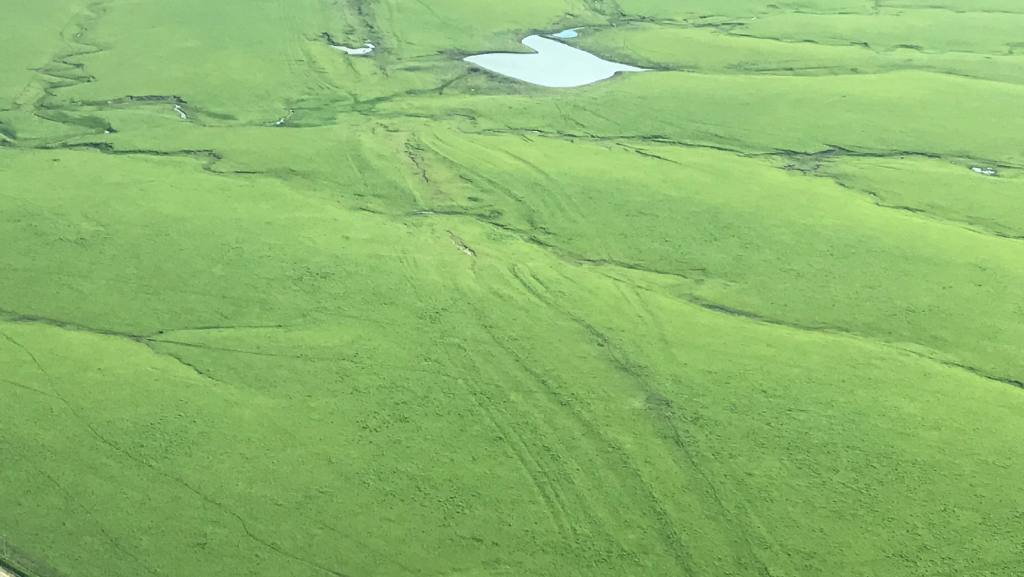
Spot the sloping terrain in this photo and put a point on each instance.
(270, 309)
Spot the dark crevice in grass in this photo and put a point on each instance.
(366, 107)
(860, 44)
(14, 317)
(17, 562)
(117, 545)
(92, 430)
(821, 156)
(181, 361)
(151, 341)
(143, 339)
(665, 416)
(461, 244)
(159, 471)
(10, 568)
(833, 151)
(810, 164)
(65, 73)
(649, 154)
(616, 139)
(667, 530)
(415, 155)
(133, 101)
(976, 372)
(333, 358)
(30, 389)
(154, 341)
(210, 157)
(811, 161)
(754, 317)
(923, 213)
(576, 258)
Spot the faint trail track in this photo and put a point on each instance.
(540, 427)
(242, 522)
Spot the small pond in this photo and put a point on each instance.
(555, 65)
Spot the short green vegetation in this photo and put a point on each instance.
(270, 309)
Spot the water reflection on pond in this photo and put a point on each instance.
(555, 65)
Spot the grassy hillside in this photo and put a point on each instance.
(269, 309)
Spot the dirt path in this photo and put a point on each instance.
(4, 573)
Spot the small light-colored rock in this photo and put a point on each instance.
(366, 49)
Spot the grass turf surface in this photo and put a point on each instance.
(752, 313)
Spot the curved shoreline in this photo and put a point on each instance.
(552, 64)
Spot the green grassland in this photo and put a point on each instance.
(750, 313)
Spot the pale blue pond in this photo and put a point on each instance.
(570, 33)
(554, 65)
